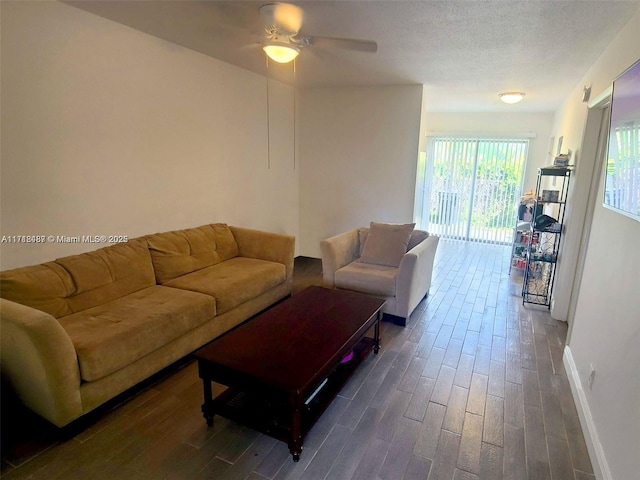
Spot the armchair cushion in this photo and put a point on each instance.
(367, 278)
(386, 243)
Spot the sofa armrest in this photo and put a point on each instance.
(414, 275)
(40, 362)
(337, 252)
(275, 247)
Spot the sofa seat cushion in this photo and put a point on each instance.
(367, 278)
(233, 282)
(111, 336)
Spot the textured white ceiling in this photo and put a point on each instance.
(464, 52)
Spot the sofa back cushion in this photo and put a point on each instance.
(44, 287)
(108, 273)
(184, 251)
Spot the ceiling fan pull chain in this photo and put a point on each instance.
(268, 120)
(295, 93)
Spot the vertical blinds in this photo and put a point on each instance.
(469, 188)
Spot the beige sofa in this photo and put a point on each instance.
(403, 286)
(80, 330)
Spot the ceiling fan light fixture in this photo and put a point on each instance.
(511, 97)
(281, 52)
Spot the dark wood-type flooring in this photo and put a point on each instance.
(472, 388)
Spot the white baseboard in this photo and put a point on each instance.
(596, 452)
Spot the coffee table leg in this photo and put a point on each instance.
(376, 335)
(295, 443)
(207, 406)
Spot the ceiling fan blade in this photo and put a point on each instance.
(345, 43)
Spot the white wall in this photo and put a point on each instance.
(606, 329)
(536, 125)
(107, 130)
(358, 154)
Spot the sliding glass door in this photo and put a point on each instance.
(468, 188)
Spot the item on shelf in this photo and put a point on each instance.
(550, 195)
(561, 160)
(544, 221)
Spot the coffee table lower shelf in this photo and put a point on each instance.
(274, 415)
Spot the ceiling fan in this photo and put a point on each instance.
(283, 22)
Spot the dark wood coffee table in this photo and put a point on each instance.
(284, 367)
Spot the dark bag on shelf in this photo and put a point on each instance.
(544, 221)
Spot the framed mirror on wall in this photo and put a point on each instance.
(622, 170)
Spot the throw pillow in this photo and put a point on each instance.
(386, 243)
(416, 237)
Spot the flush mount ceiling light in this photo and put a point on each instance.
(511, 97)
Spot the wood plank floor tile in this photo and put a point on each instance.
(214, 469)
(482, 365)
(456, 409)
(531, 388)
(412, 375)
(515, 462)
(471, 343)
(485, 336)
(552, 414)
(274, 459)
(583, 476)
(475, 322)
(500, 327)
(464, 372)
(425, 344)
(400, 450)
(460, 330)
(386, 428)
(499, 349)
(444, 463)
(575, 438)
(429, 435)
(322, 462)
(559, 458)
(536, 445)
(513, 372)
(496, 378)
(513, 339)
(470, 443)
(346, 462)
(462, 475)
(419, 468)
(356, 408)
(493, 431)
(434, 362)
(442, 388)
(477, 394)
(452, 355)
(491, 460)
(514, 405)
(420, 399)
(256, 476)
(371, 461)
(250, 458)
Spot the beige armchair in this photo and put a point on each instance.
(403, 286)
